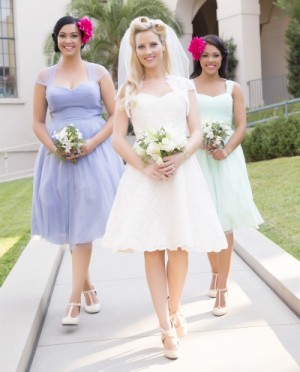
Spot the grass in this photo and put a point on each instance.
(275, 185)
(15, 212)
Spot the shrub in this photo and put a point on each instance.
(232, 61)
(292, 38)
(277, 138)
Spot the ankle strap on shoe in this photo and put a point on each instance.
(90, 291)
(177, 312)
(171, 332)
(176, 316)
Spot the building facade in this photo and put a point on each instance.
(256, 26)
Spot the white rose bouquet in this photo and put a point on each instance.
(214, 134)
(68, 141)
(155, 144)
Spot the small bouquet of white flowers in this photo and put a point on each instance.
(214, 134)
(155, 144)
(68, 140)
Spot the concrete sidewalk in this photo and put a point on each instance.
(260, 333)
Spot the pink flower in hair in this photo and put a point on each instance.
(86, 26)
(196, 47)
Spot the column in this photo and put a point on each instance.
(239, 19)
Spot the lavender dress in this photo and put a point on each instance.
(72, 202)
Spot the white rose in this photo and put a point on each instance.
(168, 144)
(218, 140)
(67, 146)
(210, 134)
(153, 150)
(139, 150)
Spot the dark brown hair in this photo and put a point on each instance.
(67, 20)
(217, 42)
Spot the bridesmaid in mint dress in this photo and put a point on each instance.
(72, 202)
(222, 101)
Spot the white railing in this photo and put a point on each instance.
(268, 91)
(286, 108)
(17, 161)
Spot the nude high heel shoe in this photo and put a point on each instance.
(69, 320)
(213, 292)
(218, 310)
(93, 307)
(170, 353)
(179, 322)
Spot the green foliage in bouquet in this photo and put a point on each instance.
(68, 141)
(156, 144)
(214, 134)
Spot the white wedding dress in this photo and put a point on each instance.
(150, 215)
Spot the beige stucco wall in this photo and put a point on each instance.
(259, 55)
(239, 19)
(257, 28)
(273, 47)
(33, 21)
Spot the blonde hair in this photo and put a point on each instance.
(141, 24)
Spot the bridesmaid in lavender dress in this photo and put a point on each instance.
(71, 202)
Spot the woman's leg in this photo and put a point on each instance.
(91, 296)
(225, 259)
(214, 264)
(87, 283)
(177, 269)
(81, 256)
(157, 282)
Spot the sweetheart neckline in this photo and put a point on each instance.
(207, 95)
(71, 89)
(156, 96)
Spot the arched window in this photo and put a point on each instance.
(8, 86)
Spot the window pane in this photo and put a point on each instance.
(6, 10)
(7, 51)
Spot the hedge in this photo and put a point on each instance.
(275, 139)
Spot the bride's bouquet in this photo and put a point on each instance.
(68, 140)
(155, 144)
(214, 134)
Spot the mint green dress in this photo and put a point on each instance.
(227, 179)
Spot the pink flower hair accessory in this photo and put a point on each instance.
(196, 47)
(86, 26)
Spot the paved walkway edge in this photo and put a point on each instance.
(24, 298)
(278, 269)
(25, 293)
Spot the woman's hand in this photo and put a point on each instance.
(218, 153)
(70, 156)
(86, 148)
(171, 164)
(152, 170)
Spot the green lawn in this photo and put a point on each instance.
(15, 212)
(276, 190)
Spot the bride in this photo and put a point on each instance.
(162, 210)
